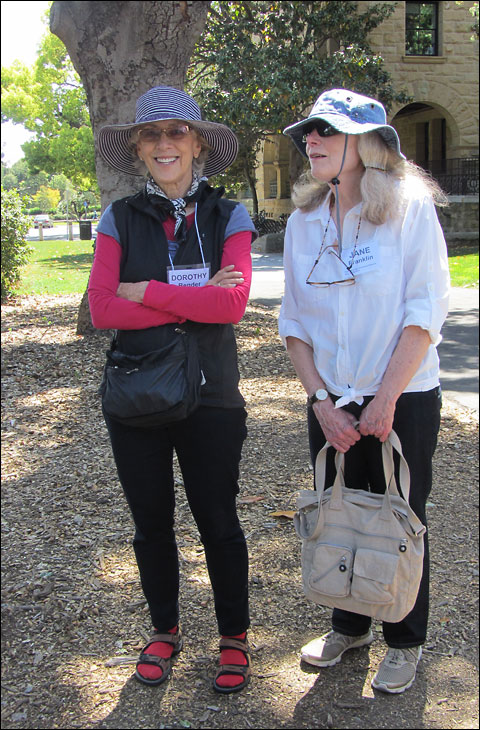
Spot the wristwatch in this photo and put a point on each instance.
(319, 394)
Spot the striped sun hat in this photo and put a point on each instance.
(157, 105)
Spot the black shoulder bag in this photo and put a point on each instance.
(154, 389)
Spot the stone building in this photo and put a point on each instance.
(429, 52)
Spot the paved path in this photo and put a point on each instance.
(458, 350)
(58, 232)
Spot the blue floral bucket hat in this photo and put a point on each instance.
(348, 113)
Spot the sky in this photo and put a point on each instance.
(22, 30)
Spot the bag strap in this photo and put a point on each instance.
(320, 476)
(336, 500)
(389, 467)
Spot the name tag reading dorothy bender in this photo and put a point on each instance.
(189, 275)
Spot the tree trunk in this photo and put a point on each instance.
(120, 50)
(252, 182)
(296, 165)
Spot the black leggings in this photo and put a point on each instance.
(208, 446)
(416, 422)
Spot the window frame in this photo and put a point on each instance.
(434, 29)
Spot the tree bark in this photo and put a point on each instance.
(252, 181)
(296, 165)
(120, 50)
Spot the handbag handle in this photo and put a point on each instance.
(393, 442)
(389, 467)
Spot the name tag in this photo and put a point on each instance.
(366, 257)
(189, 275)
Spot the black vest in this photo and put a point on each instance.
(145, 257)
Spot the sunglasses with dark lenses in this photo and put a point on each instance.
(154, 134)
(322, 129)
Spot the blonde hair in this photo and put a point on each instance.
(198, 163)
(385, 185)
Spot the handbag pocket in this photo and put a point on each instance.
(331, 571)
(373, 576)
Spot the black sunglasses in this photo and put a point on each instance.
(322, 129)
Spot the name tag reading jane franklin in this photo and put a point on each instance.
(365, 257)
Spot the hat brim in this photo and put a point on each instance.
(115, 148)
(346, 126)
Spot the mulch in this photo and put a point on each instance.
(73, 614)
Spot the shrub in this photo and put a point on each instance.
(15, 248)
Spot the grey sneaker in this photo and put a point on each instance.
(396, 672)
(329, 648)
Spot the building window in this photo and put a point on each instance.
(421, 29)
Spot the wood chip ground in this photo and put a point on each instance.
(73, 614)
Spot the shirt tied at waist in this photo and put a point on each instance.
(349, 395)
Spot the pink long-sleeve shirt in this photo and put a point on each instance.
(166, 303)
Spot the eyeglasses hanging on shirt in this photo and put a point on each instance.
(348, 275)
(348, 281)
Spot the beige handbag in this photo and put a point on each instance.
(362, 552)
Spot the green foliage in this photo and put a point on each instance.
(50, 101)
(260, 65)
(69, 201)
(47, 199)
(15, 248)
(474, 13)
(18, 176)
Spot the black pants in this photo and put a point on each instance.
(208, 445)
(416, 422)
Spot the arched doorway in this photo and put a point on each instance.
(427, 133)
(424, 132)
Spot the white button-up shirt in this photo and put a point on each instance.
(353, 330)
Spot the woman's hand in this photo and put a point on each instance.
(132, 292)
(337, 425)
(377, 419)
(226, 277)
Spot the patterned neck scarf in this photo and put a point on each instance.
(176, 207)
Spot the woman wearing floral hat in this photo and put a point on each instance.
(366, 294)
(176, 256)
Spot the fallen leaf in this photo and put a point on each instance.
(248, 500)
(284, 513)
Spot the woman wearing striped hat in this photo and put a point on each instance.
(178, 253)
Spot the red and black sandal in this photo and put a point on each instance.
(175, 640)
(241, 670)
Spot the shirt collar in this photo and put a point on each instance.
(322, 213)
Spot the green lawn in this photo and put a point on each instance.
(57, 267)
(464, 270)
(63, 267)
